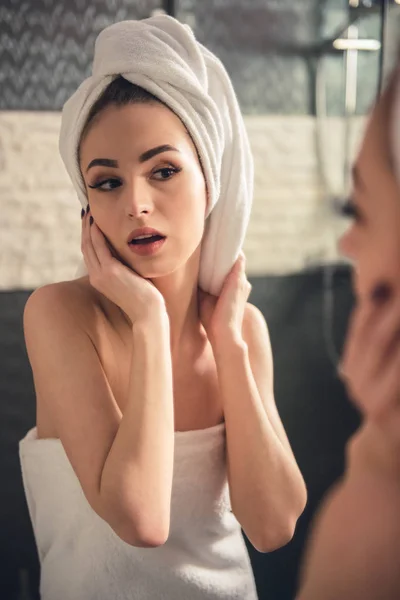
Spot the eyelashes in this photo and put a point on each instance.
(168, 171)
(350, 210)
(111, 183)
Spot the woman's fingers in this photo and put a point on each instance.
(100, 245)
(90, 246)
(88, 251)
(385, 390)
(371, 365)
(365, 315)
(373, 330)
(383, 338)
(360, 329)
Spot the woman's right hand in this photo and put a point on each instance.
(370, 366)
(136, 296)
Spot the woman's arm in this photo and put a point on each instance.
(137, 473)
(123, 462)
(267, 490)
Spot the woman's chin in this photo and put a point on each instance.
(149, 271)
(157, 268)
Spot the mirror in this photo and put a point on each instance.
(306, 74)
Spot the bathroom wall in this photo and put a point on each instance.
(40, 221)
(45, 51)
(269, 50)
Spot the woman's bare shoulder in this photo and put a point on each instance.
(76, 297)
(79, 291)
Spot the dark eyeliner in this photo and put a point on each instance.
(349, 209)
(98, 185)
(173, 170)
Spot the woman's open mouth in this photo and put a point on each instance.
(146, 245)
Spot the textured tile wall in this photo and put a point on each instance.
(291, 224)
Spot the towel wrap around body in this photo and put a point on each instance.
(81, 558)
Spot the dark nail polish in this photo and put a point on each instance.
(87, 209)
(91, 220)
(381, 293)
(82, 213)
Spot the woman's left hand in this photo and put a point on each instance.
(222, 316)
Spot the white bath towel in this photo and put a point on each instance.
(81, 558)
(162, 56)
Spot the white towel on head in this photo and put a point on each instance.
(162, 56)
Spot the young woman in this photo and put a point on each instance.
(155, 406)
(355, 547)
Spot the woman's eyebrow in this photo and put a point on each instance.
(103, 162)
(157, 150)
(109, 162)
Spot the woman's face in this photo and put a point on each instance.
(141, 169)
(373, 240)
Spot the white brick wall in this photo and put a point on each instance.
(291, 225)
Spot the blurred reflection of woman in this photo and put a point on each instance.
(354, 550)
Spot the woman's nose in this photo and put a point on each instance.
(346, 243)
(138, 201)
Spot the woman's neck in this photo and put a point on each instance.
(180, 293)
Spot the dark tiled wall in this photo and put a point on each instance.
(270, 47)
(259, 43)
(46, 48)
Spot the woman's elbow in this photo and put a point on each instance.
(280, 533)
(274, 539)
(140, 532)
(132, 523)
(301, 499)
(141, 537)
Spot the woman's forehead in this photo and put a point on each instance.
(143, 117)
(394, 126)
(139, 125)
(378, 139)
(378, 161)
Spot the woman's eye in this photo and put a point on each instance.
(350, 209)
(106, 185)
(165, 173)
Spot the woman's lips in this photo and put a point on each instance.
(147, 248)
